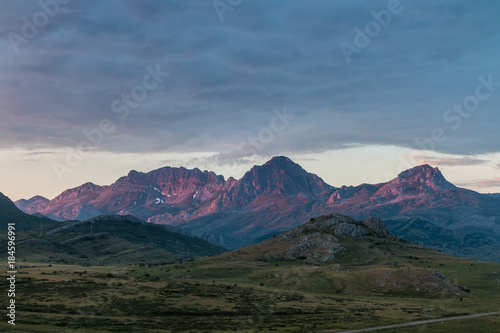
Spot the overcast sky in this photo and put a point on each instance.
(92, 89)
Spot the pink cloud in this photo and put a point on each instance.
(482, 183)
(464, 161)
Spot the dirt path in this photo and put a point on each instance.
(416, 323)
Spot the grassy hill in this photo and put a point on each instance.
(348, 274)
(337, 255)
(474, 245)
(102, 240)
(10, 213)
(110, 240)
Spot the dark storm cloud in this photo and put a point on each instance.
(227, 77)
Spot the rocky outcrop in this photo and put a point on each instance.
(319, 238)
(376, 225)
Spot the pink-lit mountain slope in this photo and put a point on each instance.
(177, 195)
(421, 192)
(275, 197)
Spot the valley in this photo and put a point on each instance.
(228, 296)
(251, 166)
(344, 275)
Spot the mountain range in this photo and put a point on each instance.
(419, 205)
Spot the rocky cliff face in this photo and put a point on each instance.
(278, 178)
(376, 224)
(272, 198)
(319, 238)
(177, 195)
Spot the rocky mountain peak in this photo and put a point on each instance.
(281, 175)
(424, 170)
(177, 180)
(135, 174)
(280, 161)
(33, 204)
(424, 176)
(422, 180)
(77, 192)
(38, 198)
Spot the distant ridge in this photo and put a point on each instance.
(279, 195)
(9, 213)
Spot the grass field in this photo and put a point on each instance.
(223, 294)
(375, 281)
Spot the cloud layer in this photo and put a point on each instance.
(226, 77)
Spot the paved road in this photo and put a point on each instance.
(415, 323)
